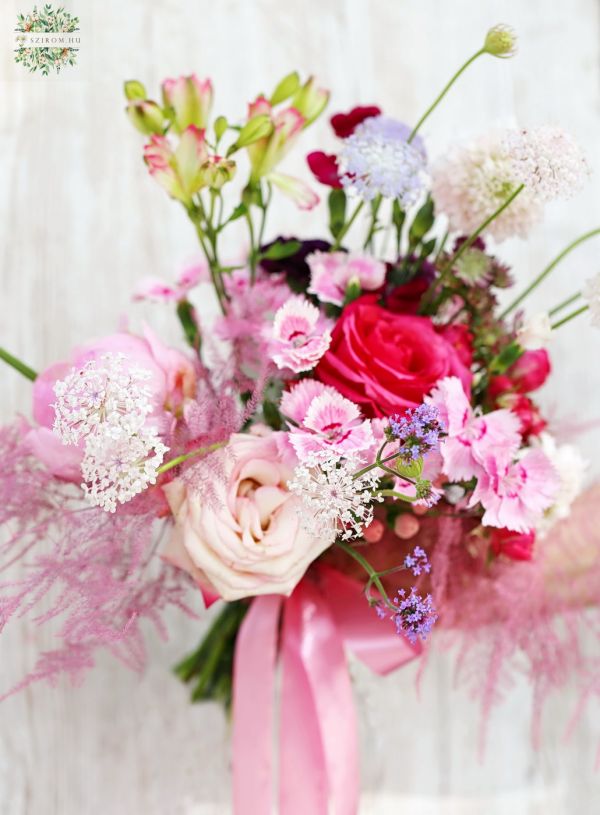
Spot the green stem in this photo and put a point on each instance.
(346, 227)
(19, 366)
(468, 243)
(565, 303)
(373, 575)
(396, 494)
(374, 213)
(168, 465)
(544, 274)
(253, 248)
(212, 265)
(570, 317)
(443, 93)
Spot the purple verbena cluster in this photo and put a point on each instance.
(418, 562)
(415, 616)
(418, 431)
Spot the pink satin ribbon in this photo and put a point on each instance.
(318, 743)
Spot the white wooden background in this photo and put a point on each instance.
(80, 222)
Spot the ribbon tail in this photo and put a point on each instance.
(253, 695)
(319, 772)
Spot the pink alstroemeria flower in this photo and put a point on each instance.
(515, 495)
(331, 272)
(472, 439)
(179, 170)
(326, 421)
(156, 290)
(189, 99)
(300, 336)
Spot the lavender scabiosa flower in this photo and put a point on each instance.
(415, 615)
(115, 470)
(547, 160)
(332, 498)
(472, 182)
(102, 396)
(418, 431)
(378, 160)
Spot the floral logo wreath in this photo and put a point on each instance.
(45, 21)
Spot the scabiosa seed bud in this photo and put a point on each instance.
(501, 41)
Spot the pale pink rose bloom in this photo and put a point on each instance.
(472, 438)
(299, 337)
(248, 539)
(333, 423)
(515, 496)
(173, 380)
(331, 272)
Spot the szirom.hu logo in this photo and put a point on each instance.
(47, 39)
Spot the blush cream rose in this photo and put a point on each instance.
(247, 538)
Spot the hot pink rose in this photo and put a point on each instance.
(387, 362)
(246, 539)
(513, 545)
(173, 380)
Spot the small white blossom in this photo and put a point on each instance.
(547, 160)
(591, 293)
(117, 469)
(536, 332)
(570, 466)
(333, 502)
(102, 396)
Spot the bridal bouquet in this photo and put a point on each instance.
(348, 453)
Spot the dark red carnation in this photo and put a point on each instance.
(530, 371)
(344, 124)
(325, 169)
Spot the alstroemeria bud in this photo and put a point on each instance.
(146, 116)
(267, 152)
(189, 99)
(217, 171)
(134, 90)
(286, 88)
(310, 101)
(501, 41)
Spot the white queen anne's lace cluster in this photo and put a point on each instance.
(102, 396)
(105, 404)
(332, 498)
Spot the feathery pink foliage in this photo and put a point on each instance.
(97, 573)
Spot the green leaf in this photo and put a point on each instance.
(272, 415)
(422, 223)
(281, 249)
(398, 215)
(134, 90)
(507, 357)
(238, 212)
(337, 211)
(286, 88)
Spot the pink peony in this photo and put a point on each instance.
(173, 380)
(472, 439)
(326, 421)
(299, 337)
(331, 272)
(515, 496)
(248, 540)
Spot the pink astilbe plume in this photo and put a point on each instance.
(534, 617)
(96, 573)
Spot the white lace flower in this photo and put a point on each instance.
(536, 332)
(117, 469)
(591, 293)
(547, 160)
(104, 395)
(570, 466)
(332, 500)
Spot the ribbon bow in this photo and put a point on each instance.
(318, 742)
